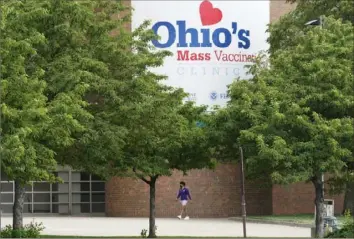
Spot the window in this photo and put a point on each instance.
(78, 192)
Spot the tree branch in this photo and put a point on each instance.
(154, 178)
(141, 176)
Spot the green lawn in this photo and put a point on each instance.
(299, 219)
(57, 236)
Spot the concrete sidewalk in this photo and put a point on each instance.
(107, 226)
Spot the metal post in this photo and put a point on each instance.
(323, 185)
(70, 192)
(90, 193)
(243, 199)
(51, 197)
(0, 193)
(320, 24)
(32, 196)
(0, 167)
(322, 176)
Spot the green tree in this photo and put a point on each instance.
(140, 128)
(24, 110)
(92, 57)
(48, 67)
(166, 137)
(115, 100)
(278, 117)
(160, 135)
(285, 34)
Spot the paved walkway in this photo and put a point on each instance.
(108, 226)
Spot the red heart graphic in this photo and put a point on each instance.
(208, 14)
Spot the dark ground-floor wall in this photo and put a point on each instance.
(214, 193)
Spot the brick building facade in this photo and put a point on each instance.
(215, 193)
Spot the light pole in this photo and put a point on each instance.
(243, 198)
(318, 22)
(0, 189)
(0, 175)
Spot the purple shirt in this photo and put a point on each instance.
(183, 194)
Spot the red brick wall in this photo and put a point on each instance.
(279, 8)
(214, 193)
(293, 199)
(299, 199)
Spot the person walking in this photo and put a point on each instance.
(183, 196)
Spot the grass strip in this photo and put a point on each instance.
(61, 236)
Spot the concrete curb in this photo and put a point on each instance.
(260, 221)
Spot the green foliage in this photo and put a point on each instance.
(31, 230)
(52, 61)
(138, 123)
(143, 233)
(294, 117)
(301, 100)
(75, 105)
(166, 137)
(346, 230)
(285, 32)
(24, 108)
(60, 53)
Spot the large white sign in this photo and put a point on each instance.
(211, 42)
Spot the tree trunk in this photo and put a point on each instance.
(18, 206)
(152, 225)
(320, 208)
(349, 198)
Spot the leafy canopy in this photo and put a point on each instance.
(137, 122)
(24, 110)
(166, 137)
(284, 32)
(294, 116)
(50, 64)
